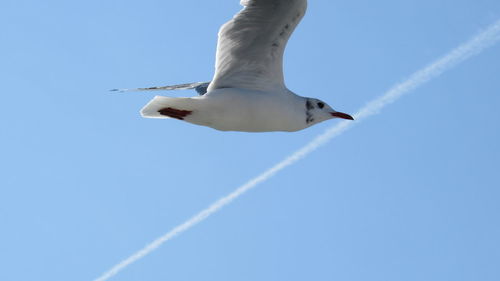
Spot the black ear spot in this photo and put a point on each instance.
(321, 105)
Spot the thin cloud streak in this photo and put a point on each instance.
(474, 46)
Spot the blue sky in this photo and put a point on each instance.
(409, 194)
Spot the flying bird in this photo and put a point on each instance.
(248, 92)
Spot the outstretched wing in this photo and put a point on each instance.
(200, 87)
(251, 45)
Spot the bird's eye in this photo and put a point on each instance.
(321, 105)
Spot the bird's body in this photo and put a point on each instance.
(248, 92)
(233, 109)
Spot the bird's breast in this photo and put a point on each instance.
(250, 111)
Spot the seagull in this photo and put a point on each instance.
(248, 92)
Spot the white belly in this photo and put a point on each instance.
(250, 111)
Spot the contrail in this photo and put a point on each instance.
(474, 46)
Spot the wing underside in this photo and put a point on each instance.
(251, 45)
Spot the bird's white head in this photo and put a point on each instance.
(319, 111)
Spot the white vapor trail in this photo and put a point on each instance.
(474, 46)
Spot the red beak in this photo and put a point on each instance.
(341, 115)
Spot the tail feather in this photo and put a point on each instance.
(155, 106)
(200, 87)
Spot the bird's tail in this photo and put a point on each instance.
(200, 87)
(167, 107)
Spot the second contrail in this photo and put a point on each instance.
(474, 46)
